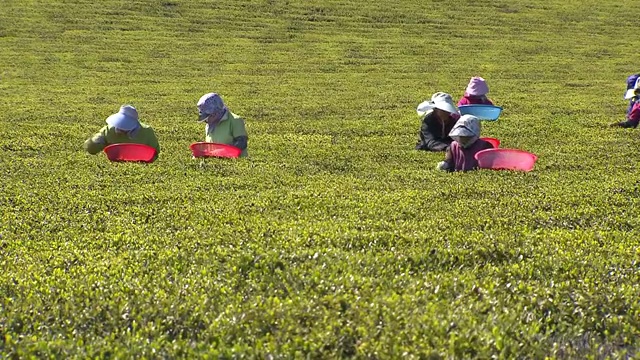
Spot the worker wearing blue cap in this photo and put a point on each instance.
(122, 127)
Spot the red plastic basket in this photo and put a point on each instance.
(206, 149)
(493, 141)
(506, 159)
(130, 152)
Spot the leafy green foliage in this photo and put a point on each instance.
(335, 238)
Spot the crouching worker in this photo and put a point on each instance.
(631, 84)
(223, 126)
(460, 156)
(123, 127)
(476, 93)
(438, 117)
(633, 112)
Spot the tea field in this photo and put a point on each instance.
(335, 238)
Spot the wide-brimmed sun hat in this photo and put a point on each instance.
(126, 119)
(439, 100)
(467, 125)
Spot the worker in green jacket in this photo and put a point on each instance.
(123, 127)
(223, 126)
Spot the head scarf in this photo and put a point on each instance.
(211, 106)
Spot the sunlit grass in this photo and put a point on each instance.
(335, 238)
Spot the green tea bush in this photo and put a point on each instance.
(335, 238)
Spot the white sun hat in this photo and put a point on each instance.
(467, 125)
(439, 100)
(126, 119)
(632, 92)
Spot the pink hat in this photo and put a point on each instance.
(477, 87)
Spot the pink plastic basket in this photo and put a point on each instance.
(506, 159)
(493, 141)
(130, 152)
(206, 149)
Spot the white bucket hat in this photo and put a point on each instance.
(467, 125)
(632, 92)
(126, 119)
(439, 100)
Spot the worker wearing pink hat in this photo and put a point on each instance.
(476, 93)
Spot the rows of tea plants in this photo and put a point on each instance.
(334, 238)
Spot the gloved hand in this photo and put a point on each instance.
(240, 142)
(624, 124)
(443, 165)
(100, 139)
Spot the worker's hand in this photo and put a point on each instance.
(443, 165)
(99, 139)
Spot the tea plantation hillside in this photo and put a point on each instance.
(334, 238)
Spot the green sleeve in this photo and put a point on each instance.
(97, 142)
(238, 128)
(153, 142)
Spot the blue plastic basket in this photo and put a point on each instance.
(482, 112)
